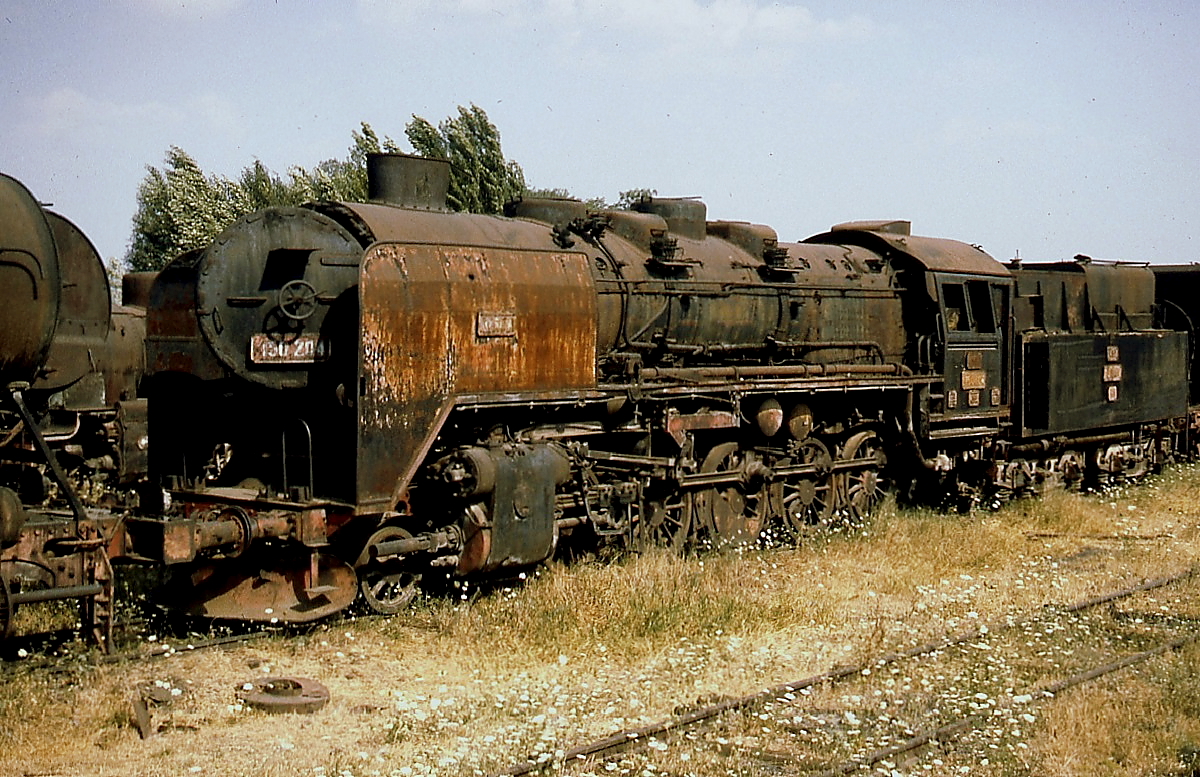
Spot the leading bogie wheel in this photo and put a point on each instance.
(387, 586)
(663, 525)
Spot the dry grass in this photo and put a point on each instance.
(578, 651)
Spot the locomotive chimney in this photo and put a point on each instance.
(408, 181)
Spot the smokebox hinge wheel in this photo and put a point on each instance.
(298, 299)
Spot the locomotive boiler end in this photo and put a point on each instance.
(264, 292)
(29, 274)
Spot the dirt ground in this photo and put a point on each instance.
(470, 687)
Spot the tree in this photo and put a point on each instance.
(343, 180)
(180, 208)
(481, 179)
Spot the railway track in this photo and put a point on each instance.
(902, 712)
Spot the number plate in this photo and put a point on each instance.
(974, 379)
(304, 349)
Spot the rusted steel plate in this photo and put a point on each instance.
(440, 320)
(258, 588)
(934, 254)
(277, 695)
(173, 339)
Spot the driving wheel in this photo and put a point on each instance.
(733, 512)
(808, 499)
(865, 485)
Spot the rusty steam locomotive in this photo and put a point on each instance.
(343, 397)
(72, 427)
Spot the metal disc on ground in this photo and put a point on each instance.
(284, 694)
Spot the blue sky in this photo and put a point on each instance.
(1046, 128)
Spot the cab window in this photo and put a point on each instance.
(981, 306)
(954, 301)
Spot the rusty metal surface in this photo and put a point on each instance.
(278, 695)
(408, 181)
(721, 303)
(122, 361)
(675, 288)
(173, 340)
(933, 254)
(279, 273)
(29, 275)
(135, 288)
(84, 309)
(426, 337)
(513, 526)
(279, 587)
(52, 559)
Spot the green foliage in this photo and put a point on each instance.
(341, 180)
(180, 208)
(481, 179)
(628, 199)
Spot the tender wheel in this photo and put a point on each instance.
(808, 500)
(733, 513)
(298, 299)
(865, 486)
(388, 586)
(1071, 468)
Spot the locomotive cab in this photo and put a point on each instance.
(957, 315)
(972, 328)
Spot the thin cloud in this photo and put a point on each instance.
(69, 115)
(66, 112)
(693, 38)
(196, 10)
(726, 23)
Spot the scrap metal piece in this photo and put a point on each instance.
(278, 695)
(141, 716)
